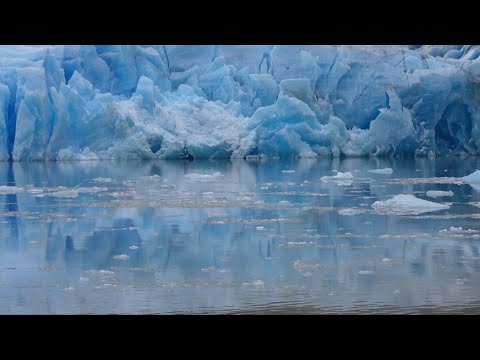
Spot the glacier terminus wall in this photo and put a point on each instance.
(197, 101)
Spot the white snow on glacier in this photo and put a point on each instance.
(198, 101)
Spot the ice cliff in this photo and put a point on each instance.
(165, 101)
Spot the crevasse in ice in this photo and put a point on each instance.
(165, 101)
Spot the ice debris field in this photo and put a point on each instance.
(330, 235)
(192, 101)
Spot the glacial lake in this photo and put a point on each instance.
(237, 237)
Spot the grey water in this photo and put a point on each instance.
(240, 237)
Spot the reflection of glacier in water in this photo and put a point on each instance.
(261, 236)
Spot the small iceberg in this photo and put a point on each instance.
(10, 189)
(406, 205)
(385, 171)
(350, 211)
(365, 272)
(203, 177)
(103, 180)
(341, 179)
(435, 194)
(473, 180)
(63, 193)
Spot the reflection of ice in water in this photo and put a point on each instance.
(102, 249)
(185, 258)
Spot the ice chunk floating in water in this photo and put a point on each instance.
(342, 179)
(473, 180)
(473, 177)
(435, 193)
(386, 171)
(10, 189)
(221, 101)
(203, 177)
(63, 193)
(406, 205)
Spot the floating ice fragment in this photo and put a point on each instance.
(341, 179)
(300, 266)
(121, 257)
(365, 272)
(473, 179)
(406, 205)
(100, 272)
(64, 193)
(435, 194)
(103, 180)
(350, 211)
(385, 171)
(458, 231)
(203, 177)
(35, 191)
(10, 189)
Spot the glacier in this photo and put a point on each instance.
(237, 101)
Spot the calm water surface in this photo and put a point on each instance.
(235, 237)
